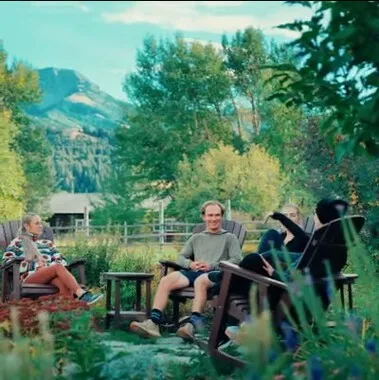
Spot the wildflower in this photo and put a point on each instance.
(316, 370)
(290, 336)
(308, 278)
(371, 346)
(329, 289)
(272, 356)
(354, 324)
(295, 289)
(356, 373)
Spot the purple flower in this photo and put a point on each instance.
(329, 289)
(371, 346)
(272, 356)
(290, 336)
(316, 370)
(356, 372)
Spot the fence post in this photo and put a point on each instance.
(161, 223)
(125, 232)
(86, 220)
(228, 210)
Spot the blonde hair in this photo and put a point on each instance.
(215, 203)
(30, 248)
(298, 211)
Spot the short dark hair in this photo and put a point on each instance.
(330, 209)
(209, 203)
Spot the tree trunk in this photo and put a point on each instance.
(239, 126)
(255, 117)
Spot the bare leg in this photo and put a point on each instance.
(202, 284)
(174, 280)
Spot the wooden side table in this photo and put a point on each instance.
(116, 313)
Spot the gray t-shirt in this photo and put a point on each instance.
(211, 248)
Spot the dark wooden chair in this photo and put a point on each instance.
(182, 295)
(11, 287)
(331, 246)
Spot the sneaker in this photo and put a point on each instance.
(236, 333)
(187, 332)
(147, 329)
(90, 298)
(232, 332)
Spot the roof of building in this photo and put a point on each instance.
(73, 203)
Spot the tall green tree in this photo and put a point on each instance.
(252, 181)
(19, 87)
(11, 172)
(179, 92)
(33, 146)
(246, 54)
(339, 72)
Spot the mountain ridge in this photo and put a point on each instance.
(72, 101)
(80, 120)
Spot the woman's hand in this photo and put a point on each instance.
(267, 267)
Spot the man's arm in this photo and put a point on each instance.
(186, 254)
(235, 253)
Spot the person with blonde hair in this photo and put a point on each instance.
(43, 263)
(292, 237)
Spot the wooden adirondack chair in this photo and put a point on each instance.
(182, 295)
(331, 246)
(11, 287)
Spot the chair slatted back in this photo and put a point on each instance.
(329, 244)
(309, 225)
(229, 225)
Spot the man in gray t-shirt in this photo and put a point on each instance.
(201, 254)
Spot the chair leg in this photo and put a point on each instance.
(342, 293)
(350, 294)
(219, 314)
(175, 314)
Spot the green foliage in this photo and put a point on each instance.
(82, 163)
(308, 347)
(76, 362)
(97, 254)
(35, 149)
(13, 179)
(27, 358)
(246, 54)
(178, 91)
(338, 75)
(19, 86)
(251, 181)
(120, 199)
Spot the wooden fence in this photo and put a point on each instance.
(166, 233)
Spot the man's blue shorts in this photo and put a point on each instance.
(192, 275)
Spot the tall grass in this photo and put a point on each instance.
(308, 348)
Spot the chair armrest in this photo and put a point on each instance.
(12, 262)
(249, 275)
(171, 264)
(76, 264)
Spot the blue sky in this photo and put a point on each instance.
(100, 39)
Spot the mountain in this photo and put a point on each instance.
(71, 101)
(79, 120)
